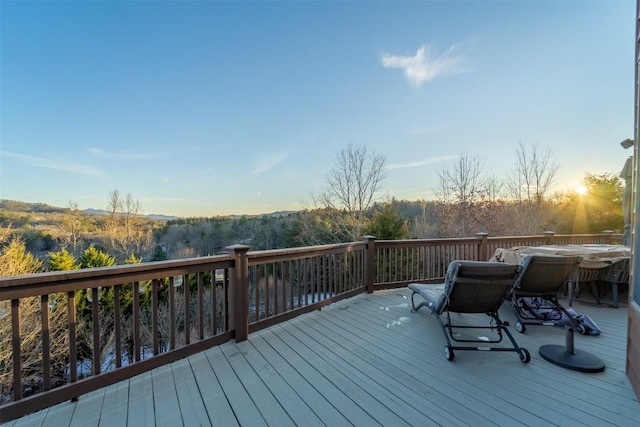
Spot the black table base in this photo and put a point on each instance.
(568, 357)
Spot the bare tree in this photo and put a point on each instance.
(529, 184)
(533, 176)
(112, 222)
(461, 190)
(423, 224)
(72, 225)
(465, 183)
(338, 212)
(353, 185)
(355, 179)
(127, 232)
(493, 187)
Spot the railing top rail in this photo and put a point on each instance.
(303, 252)
(425, 242)
(61, 281)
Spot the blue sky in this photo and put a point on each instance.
(212, 108)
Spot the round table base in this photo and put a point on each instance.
(578, 360)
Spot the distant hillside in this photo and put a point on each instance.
(159, 217)
(18, 206)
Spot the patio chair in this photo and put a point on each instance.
(587, 277)
(471, 287)
(616, 274)
(534, 299)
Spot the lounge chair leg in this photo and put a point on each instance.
(594, 291)
(614, 294)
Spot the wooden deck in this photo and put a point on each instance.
(369, 361)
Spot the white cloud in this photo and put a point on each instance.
(420, 163)
(122, 154)
(425, 66)
(45, 163)
(422, 129)
(268, 161)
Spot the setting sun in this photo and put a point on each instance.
(581, 189)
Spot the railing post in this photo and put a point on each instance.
(482, 246)
(368, 263)
(17, 356)
(608, 237)
(239, 289)
(549, 237)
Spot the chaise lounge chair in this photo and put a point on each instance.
(535, 296)
(471, 287)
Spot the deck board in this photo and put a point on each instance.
(295, 406)
(115, 405)
(192, 408)
(166, 404)
(236, 394)
(141, 398)
(310, 395)
(269, 408)
(398, 382)
(380, 377)
(89, 408)
(213, 396)
(364, 392)
(60, 415)
(306, 363)
(370, 361)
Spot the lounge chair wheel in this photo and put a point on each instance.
(520, 327)
(448, 353)
(525, 357)
(581, 329)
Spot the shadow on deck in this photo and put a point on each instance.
(369, 361)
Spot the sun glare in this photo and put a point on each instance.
(581, 190)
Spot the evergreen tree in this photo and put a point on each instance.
(15, 259)
(133, 260)
(62, 261)
(604, 202)
(94, 257)
(387, 224)
(159, 253)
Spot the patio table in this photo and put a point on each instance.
(596, 258)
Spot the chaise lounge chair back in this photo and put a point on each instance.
(479, 287)
(544, 275)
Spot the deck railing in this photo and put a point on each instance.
(75, 331)
(399, 262)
